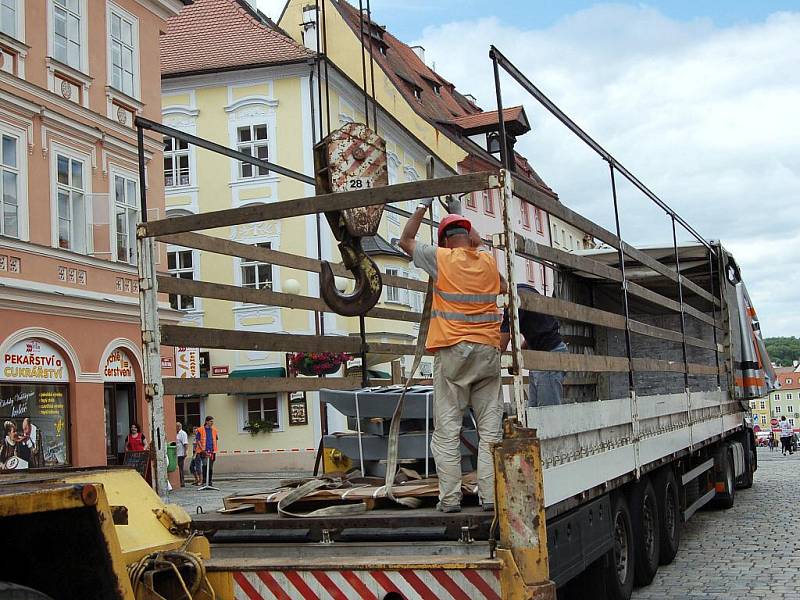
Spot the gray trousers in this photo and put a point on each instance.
(545, 388)
(467, 374)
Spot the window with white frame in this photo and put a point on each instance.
(777, 396)
(71, 200)
(525, 212)
(788, 380)
(530, 271)
(789, 408)
(176, 162)
(255, 274)
(252, 140)
(777, 409)
(8, 17)
(488, 202)
(67, 32)
(789, 396)
(471, 202)
(391, 171)
(537, 216)
(180, 264)
(123, 39)
(263, 408)
(791, 422)
(763, 405)
(9, 184)
(127, 216)
(397, 295)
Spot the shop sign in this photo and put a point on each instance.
(187, 362)
(166, 362)
(220, 370)
(118, 367)
(33, 360)
(34, 418)
(298, 409)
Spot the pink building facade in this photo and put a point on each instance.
(73, 76)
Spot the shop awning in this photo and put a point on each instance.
(266, 372)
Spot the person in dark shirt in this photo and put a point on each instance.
(539, 332)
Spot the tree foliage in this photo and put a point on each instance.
(783, 350)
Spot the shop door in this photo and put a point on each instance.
(120, 411)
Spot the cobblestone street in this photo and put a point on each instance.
(721, 557)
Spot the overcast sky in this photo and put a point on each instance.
(701, 100)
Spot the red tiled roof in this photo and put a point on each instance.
(487, 119)
(212, 35)
(407, 71)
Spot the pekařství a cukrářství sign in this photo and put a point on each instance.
(33, 406)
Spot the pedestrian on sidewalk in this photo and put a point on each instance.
(771, 442)
(182, 447)
(195, 466)
(207, 444)
(464, 337)
(135, 440)
(786, 436)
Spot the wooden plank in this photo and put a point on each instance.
(193, 337)
(560, 361)
(234, 293)
(550, 204)
(208, 243)
(456, 184)
(528, 247)
(668, 334)
(256, 385)
(698, 369)
(571, 311)
(644, 293)
(656, 365)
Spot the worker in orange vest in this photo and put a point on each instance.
(464, 336)
(206, 445)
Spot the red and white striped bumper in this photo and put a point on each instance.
(405, 584)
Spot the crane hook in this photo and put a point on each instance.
(368, 287)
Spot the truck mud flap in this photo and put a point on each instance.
(409, 584)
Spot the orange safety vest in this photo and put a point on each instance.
(201, 443)
(464, 305)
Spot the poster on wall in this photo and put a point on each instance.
(34, 418)
(187, 362)
(298, 409)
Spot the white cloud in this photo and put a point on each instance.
(707, 117)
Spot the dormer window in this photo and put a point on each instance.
(437, 89)
(417, 93)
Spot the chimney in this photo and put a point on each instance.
(310, 27)
(420, 52)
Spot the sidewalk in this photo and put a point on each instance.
(192, 499)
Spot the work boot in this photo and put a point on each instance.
(448, 508)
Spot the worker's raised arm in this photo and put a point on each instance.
(407, 238)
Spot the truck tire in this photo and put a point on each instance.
(621, 559)
(724, 463)
(669, 514)
(646, 530)
(13, 591)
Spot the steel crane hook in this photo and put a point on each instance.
(368, 286)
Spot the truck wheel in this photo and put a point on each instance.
(669, 515)
(646, 529)
(621, 559)
(724, 499)
(12, 591)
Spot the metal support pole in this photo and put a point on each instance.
(510, 253)
(364, 349)
(151, 367)
(621, 256)
(683, 315)
(504, 158)
(142, 173)
(714, 311)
